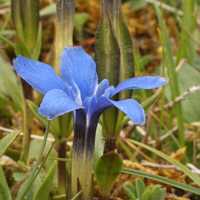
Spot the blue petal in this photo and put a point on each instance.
(39, 75)
(132, 108)
(100, 90)
(56, 102)
(96, 107)
(100, 104)
(129, 106)
(81, 67)
(70, 83)
(147, 82)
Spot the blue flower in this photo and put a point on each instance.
(78, 91)
(78, 86)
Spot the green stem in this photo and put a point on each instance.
(7, 41)
(25, 142)
(5, 23)
(44, 160)
(32, 176)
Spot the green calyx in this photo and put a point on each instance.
(114, 58)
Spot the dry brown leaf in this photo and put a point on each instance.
(179, 154)
(6, 161)
(174, 197)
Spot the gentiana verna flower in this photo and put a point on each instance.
(78, 86)
(78, 91)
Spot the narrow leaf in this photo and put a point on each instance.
(173, 78)
(40, 118)
(21, 48)
(38, 44)
(45, 187)
(5, 70)
(32, 190)
(30, 18)
(162, 180)
(14, 92)
(7, 141)
(192, 175)
(4, 189)
(16, 17)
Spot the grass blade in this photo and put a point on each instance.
(190, 174)
(162, 179)
(7, 141)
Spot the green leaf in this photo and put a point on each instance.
(4, 189)
(5, 69)
(130, 191)
(14, 92)
(187, 27)
(107, 169)
(33, 152)
(188, 172)
(107, 57)
(34, 174)
(173, 78)
(7, 141)
(144, 60)
(126, 63)
(40, 118)
(162, 180)
(4, 101)
(107, 52)
(196, 63)
(79, 20)
(29, 11)
(32, 190)
(3, 1)
(99, 144)
(158, 193)
(146, 195)
(19, 176)
(48, 10)
(146, 104)
(191, 112)
(38, 44)
(45, 187)
(154, 192)
(140, 187)
(16, 17)
(137, 5)
(21, 48)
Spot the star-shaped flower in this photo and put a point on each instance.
(78, 86)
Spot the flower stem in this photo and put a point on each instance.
(62, 168)
(110, 145)
(26, 121)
